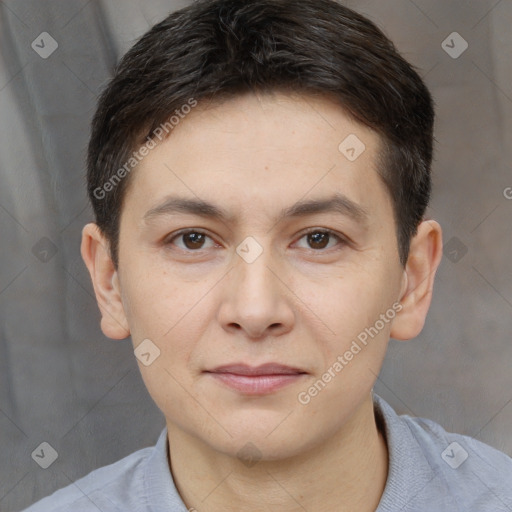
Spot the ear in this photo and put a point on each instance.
(426, 251)
(96, 255)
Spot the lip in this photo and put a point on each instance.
(256, 380)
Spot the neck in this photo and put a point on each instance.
(347, 471)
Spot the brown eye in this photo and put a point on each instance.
(192, 240)
(319, 239)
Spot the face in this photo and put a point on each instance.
(271, 281)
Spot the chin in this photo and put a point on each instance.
(266, 441)
(250, 450)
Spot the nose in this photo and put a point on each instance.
(256, 299)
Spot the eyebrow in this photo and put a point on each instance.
(336, 203)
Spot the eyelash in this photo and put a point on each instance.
(342, 241)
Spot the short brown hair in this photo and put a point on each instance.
(215, 49)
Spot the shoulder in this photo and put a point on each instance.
(455, 450)
(111, 488)
(433, 469)
(469, 471)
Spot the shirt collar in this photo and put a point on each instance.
(160, 492)
(409, 472)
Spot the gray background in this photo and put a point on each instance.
(63, 382)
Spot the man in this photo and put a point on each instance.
(259, 173)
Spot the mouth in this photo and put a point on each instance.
(256, 380)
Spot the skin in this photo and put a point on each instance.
(300, 303)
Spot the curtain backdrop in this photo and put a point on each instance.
(64, 383)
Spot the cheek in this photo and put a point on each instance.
(345, 304)
(155, 302)
(175, 316)
(172, 391)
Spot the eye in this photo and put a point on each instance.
(193, 240)
(319, 239)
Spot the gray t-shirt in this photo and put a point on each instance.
(430, 470)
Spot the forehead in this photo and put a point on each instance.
(262, 151)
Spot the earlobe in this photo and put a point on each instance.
(416, 294)
(96, 255)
